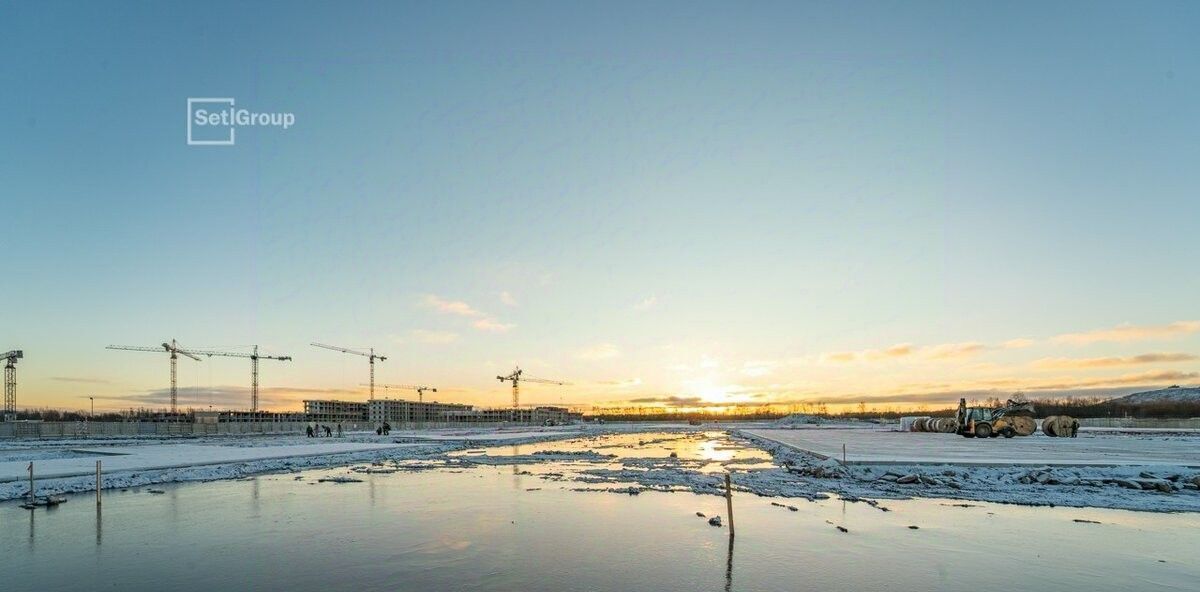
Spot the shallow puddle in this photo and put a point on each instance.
(483, 527)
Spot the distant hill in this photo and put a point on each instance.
(1174, 394)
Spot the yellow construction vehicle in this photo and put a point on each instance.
(1015, 418)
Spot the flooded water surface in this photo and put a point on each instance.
(481, 526)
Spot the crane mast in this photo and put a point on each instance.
(171, 348)
(10, 383)
(516, 377)
(369, 354)
(410, 387)
(254, 358)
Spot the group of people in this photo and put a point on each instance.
(384, 429)
(314, 430)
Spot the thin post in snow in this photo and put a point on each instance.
(729, 502)
(843, 453)
(31, 496)
(97, 483)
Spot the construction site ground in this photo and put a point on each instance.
(1091, 448)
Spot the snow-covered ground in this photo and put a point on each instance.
(1091, 448)
(118, 459)
(628, 458)
(700, 461)
(68, 466)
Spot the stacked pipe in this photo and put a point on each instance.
(1058, 426)
(945, 425)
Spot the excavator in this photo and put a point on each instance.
(1014, 418)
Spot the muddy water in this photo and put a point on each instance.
(502, 528)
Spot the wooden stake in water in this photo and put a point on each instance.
(843, 453)
(97, 483)
(729, 502)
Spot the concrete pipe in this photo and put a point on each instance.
(919, 424)
(1062, 426)
(1048, 425)
(1022, 425)
(1058, 426)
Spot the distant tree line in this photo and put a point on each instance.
(1043, 407)
(1097, 407)
(132, 414)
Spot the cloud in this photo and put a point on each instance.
(492, 325)
(945, 351)
(951, 351)
(483, 322)
(600, 351)
(229, 397)
(757, 368)
(1143, 378)
(1152, 358)
(896, 351)
(646, 303)
(1127, 332)
(453, 307)
(507, 299)
(840, 357)
(1017, 343)
(433, 337)
(671, 401)
(676, 402)
(80, 380)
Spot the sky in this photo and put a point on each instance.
(672, 203)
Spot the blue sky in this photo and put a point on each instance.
(692, 200)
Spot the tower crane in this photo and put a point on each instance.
(410, 387)
(171, 348)
(10, 383)
(517, 378)
(369, 354)
(254, 358)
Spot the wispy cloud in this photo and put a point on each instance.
(507, 298)
(954, 351)
(227, 397)
(483, 321)
(1155, 377)
(1017, 343)
(756, 368)
(433, 337)
(453, 307)
(492, 325)
(669, 401)
(599, 351)
(945, 351)
(1127, 332)
(1151, 358)
(646, 303)
(80, 380)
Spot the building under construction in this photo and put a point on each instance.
(335, 411)
(400, 411)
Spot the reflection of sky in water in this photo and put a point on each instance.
(496, 528)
